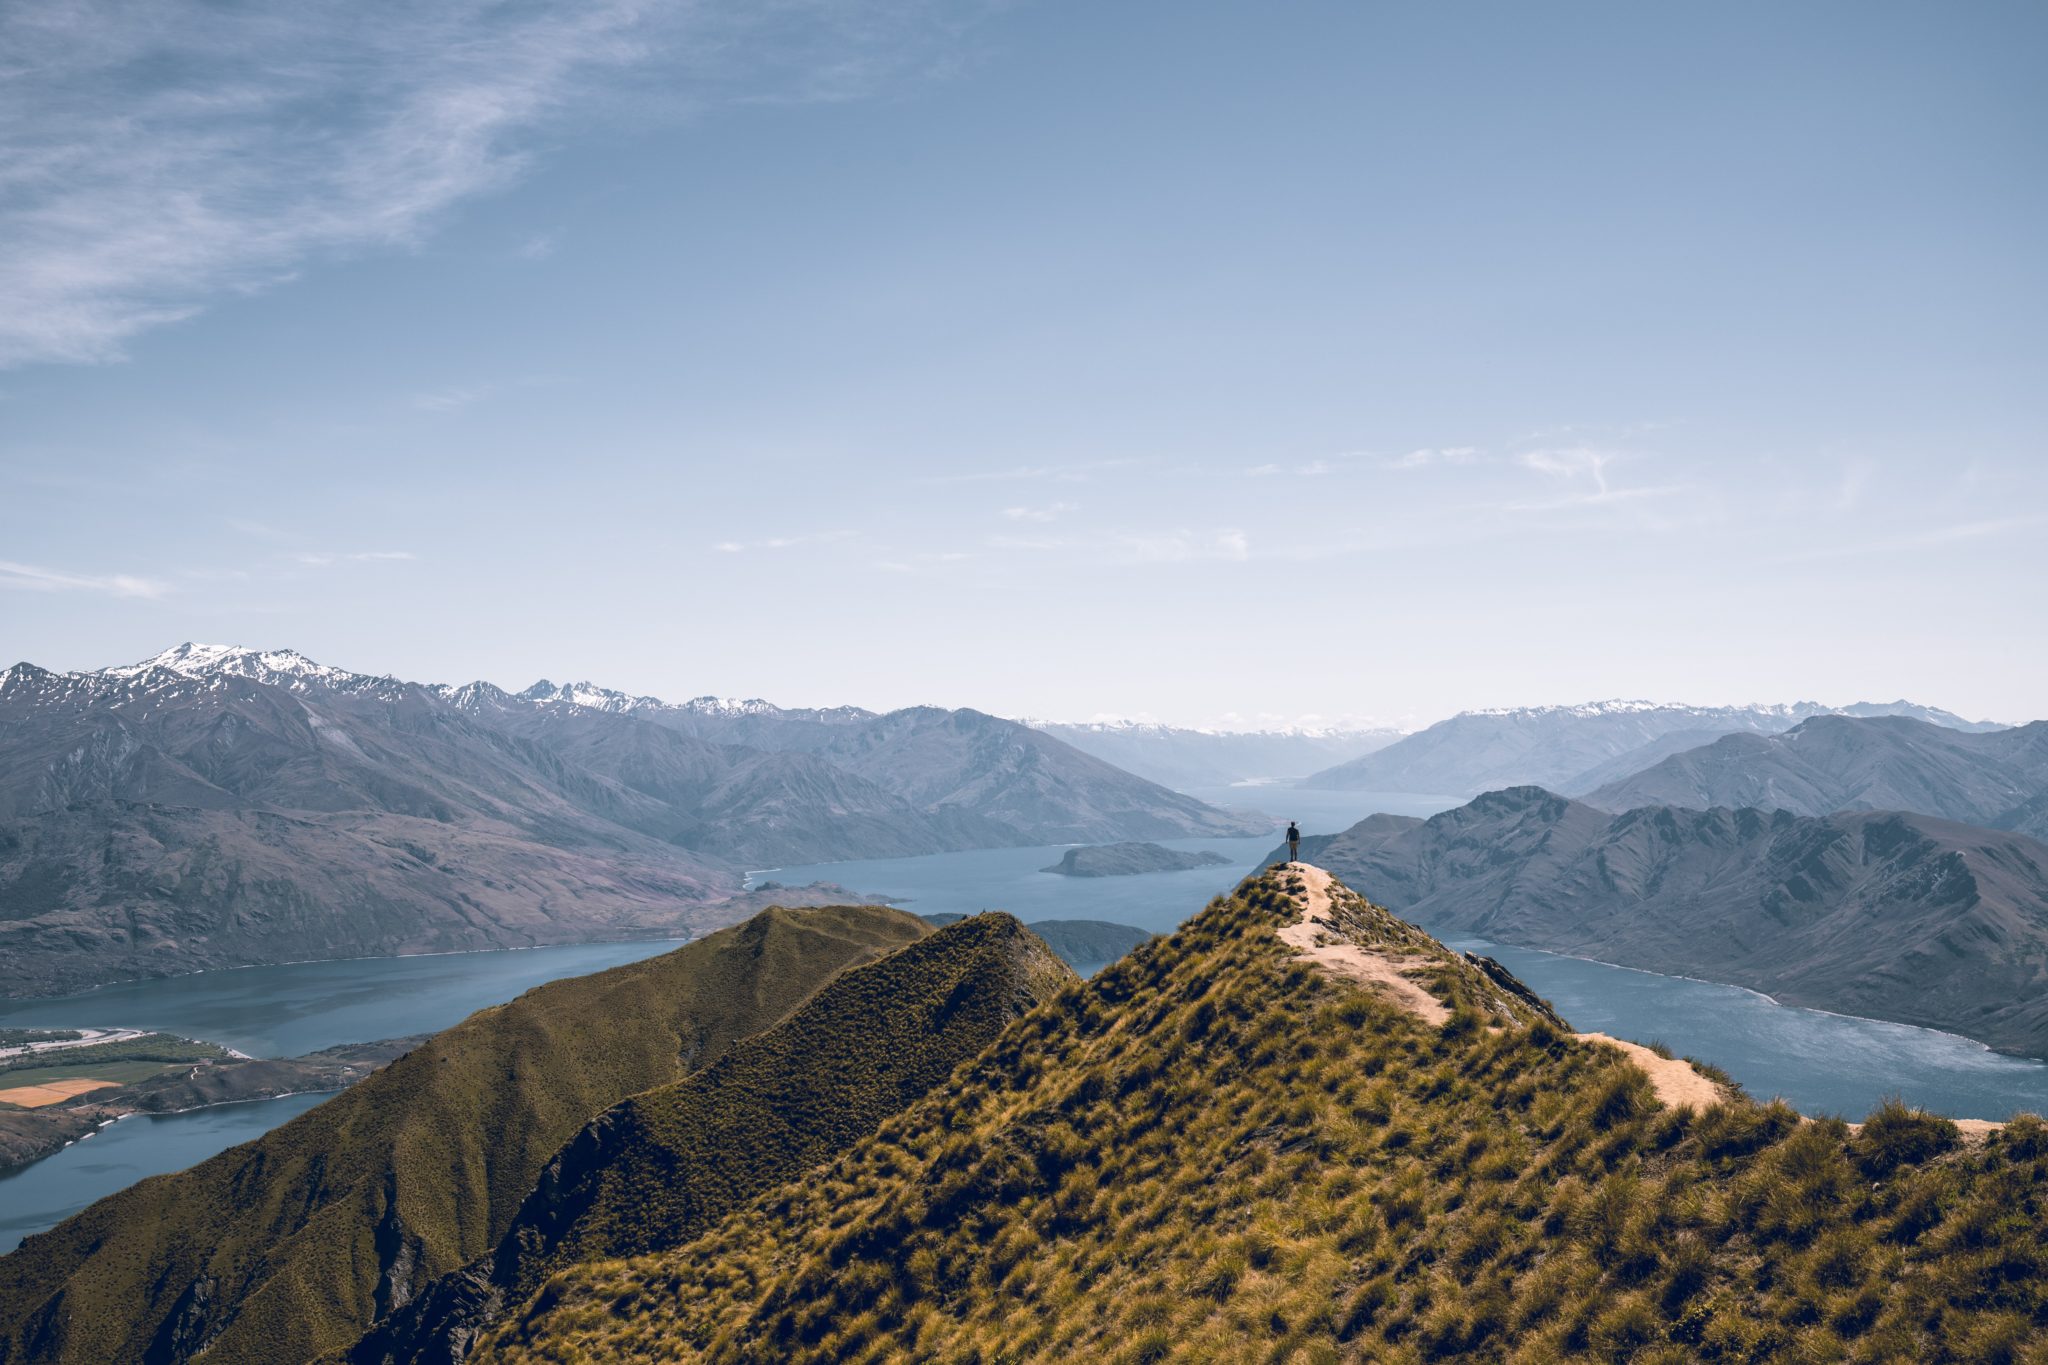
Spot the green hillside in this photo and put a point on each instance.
(661, 1167)
(295, 1243)
(1214, 1150)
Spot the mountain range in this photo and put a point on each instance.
(838, 1134)
(214, 806)
(1997, 779)
(1575, 749)
(1885, 914)
(1185, 758)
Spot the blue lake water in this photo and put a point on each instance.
(45, 1194)
(1012, 879)
(302, 1007)
(266, 1012)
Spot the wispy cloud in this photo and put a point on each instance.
(736, 547)
(36, 578)
(1585, 469)
(1435, 455)
(1178, 547)
(1045, 543)
(1307, 469)
(1031, 473)
(453, 399)
(321, 560)
(1051, 511)
(155, 154)
(921, 562)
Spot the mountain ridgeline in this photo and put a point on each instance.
(1998, 779)
(294, 1243)
(1278, 1133)
(660, 1168)
(1216, 1150)
(213, 807)
(1885, 914)
(1573, 749)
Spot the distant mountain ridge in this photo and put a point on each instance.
(1835, 763)
(213, 806)
(1181, 757)
(1574, 748)
(1877, 913)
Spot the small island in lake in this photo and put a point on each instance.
(1130, 859)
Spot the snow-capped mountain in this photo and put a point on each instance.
(215, 805)
(285, 668)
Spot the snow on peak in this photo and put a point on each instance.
(277, 667)
(731, 706)
(588, 695)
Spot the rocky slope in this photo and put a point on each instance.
(1040, 790)
(1571, 748)
(295, 1243)
(213, 806)
(1835, 763)
(1883, 914)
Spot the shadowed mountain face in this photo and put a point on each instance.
(294, 1243)
(216, 806)
(1572, 748)
(1834, 763)
(1041, 790)
(660, 1168)
(1880, 913)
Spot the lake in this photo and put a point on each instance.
(1320, 812)
(43, 1195)
(301, 1007)
(267, 1012)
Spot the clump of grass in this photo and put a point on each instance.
(1897, 1135)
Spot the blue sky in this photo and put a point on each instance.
(1197, 361)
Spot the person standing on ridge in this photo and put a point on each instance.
(1293, 842)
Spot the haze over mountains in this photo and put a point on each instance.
(1885, 914)
(1574, 749)
(213, 806)
(1180, 757)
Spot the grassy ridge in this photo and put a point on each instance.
(1212, 1152)
(293, 1244)
(662, 1166)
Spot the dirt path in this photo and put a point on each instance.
(1311, 942)
(1677, 1084)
